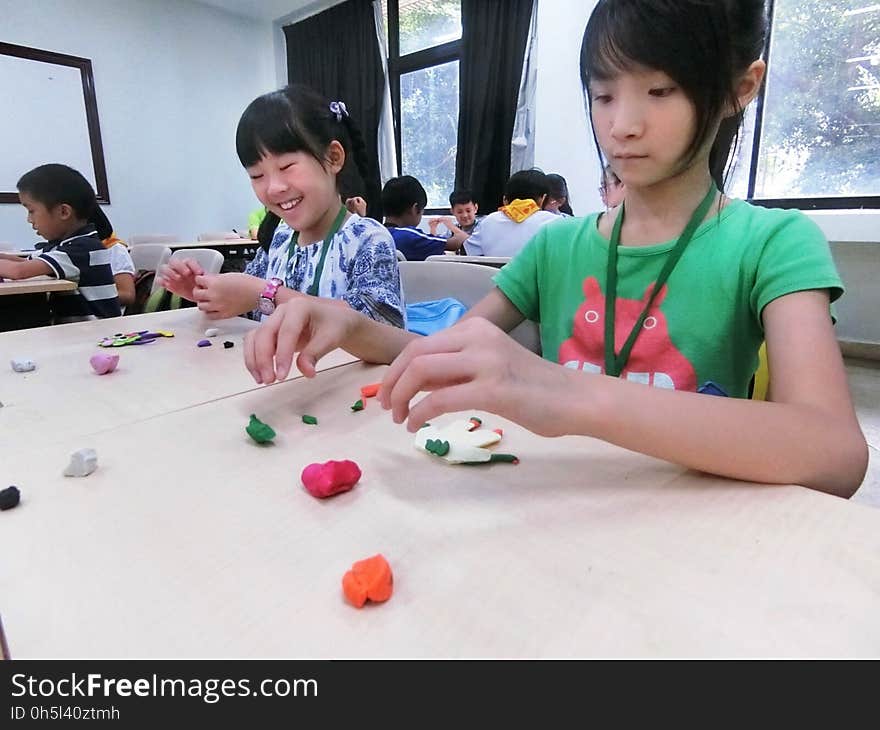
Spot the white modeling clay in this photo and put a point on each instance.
(82, 463)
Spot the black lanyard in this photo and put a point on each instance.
(614, 363)
(334, 229)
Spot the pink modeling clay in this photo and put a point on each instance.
(333, 477)
(103, 364)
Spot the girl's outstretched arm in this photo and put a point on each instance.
(808, 434)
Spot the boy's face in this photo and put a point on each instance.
(48, 223)
(465, 213)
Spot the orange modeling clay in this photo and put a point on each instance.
(370, 391)
(368, 579)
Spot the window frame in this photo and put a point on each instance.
(416, 61)
(859, 202)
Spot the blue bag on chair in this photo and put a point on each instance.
(425, 318)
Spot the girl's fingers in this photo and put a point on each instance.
(250, 361)
(322, 341)
(428, 373)
(451, 399)
(276, 343)
(446, 341)
(193, 267)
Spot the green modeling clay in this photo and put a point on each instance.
(259, 431)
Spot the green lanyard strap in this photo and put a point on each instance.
(334, 229)
(614, 363)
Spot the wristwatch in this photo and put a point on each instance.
(267, 298)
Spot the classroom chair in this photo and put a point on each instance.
(149, 256)
(139, 238)
(209, 259)
(400, 256)
(761, 381)
(468, 283)
(219, 236)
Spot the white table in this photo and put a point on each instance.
(64, 396)
(192, 541)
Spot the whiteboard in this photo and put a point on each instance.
(46, 117)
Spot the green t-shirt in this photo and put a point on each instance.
(705, 326)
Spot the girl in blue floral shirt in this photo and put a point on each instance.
(298, 149)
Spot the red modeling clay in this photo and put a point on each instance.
(370, 391)
(369, 579)
(333, 477)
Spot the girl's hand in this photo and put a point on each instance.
(221, 296)
(179, 277)
(475, 365)
(356, 205)
(306, 325)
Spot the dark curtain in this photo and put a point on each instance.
(336, 53)
(494, 35)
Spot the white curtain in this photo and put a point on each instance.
(522, 144)
(385, 142)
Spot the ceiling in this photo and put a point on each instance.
(263, 9)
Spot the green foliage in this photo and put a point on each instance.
(821, 133)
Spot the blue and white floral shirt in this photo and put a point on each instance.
(360, 268)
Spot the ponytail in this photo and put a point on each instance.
(267, 230)
(360, 172)
(98, 218)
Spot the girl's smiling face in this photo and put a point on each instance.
(298, 188)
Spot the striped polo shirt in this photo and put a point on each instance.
(82, 259)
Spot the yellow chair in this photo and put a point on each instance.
(761, 380)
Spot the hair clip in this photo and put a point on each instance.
(338, 108)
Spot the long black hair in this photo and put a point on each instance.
(702, 45)
(55, 184)
(558, 191)
(298, 119)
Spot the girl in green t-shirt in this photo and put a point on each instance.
(667, 84)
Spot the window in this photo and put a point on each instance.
(813, 139)
(424, 47)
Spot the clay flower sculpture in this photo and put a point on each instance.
(461, 442)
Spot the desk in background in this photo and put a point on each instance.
(25, 303)
(236, 252)
(192, 541)
(495, 261)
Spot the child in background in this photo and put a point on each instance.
(403, 200)
(506, 231)
(465, 208)
(63, 209)
(677, 286)
(255, 217)
(557, 200)
(299, 150)
(612, 189)
(123, 269)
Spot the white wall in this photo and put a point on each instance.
(171, 80)
(563, 140)
(564, 144)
